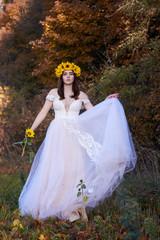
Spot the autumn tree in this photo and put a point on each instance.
(19, 25)
(142, 23)
(79, 31)
(135, 73)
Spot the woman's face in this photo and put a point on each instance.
(68, 77)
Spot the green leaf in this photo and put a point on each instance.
(78, 185)
(83, 186)
(16, 143)
(25, 140)
(31, 156)
(78, 194)
(29, 143)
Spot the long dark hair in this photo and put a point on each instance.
(75, 88)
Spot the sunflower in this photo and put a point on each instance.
(68, 66)
(30, 133)
(77, 71)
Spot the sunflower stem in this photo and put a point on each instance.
(24, 148)
(84, 208)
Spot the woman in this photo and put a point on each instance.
(95, 146)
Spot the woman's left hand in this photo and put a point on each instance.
(116, 95)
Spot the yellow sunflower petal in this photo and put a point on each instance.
(30, 133)
(67, 66)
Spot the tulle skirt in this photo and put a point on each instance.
(96, 147)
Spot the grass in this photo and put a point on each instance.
(131, 213)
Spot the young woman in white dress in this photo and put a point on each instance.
(95, 146)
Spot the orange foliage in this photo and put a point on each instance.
(79, 31)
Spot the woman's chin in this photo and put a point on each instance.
(68, 82)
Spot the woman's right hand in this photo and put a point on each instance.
(116, 95)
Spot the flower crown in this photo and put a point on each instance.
(67, 66)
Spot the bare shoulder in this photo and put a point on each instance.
(83, 95)
(53, 92)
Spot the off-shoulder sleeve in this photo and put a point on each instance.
(85, 101)
(50, 97)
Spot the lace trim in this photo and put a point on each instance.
(85, 139)
(85, 101)
(50, 97)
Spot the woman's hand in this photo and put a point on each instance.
(116, 95)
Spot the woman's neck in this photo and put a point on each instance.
(68, 90)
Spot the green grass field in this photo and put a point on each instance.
(131, 213)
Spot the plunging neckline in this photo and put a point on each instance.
(64, 104)
(57, 98)
(69, 105)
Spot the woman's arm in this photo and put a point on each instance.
(42, 114)
(88, 104)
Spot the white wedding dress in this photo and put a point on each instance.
(95, 146)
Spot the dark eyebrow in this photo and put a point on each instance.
(69, 72)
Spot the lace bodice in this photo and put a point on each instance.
(59, 108)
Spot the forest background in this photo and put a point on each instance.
(117, 46)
